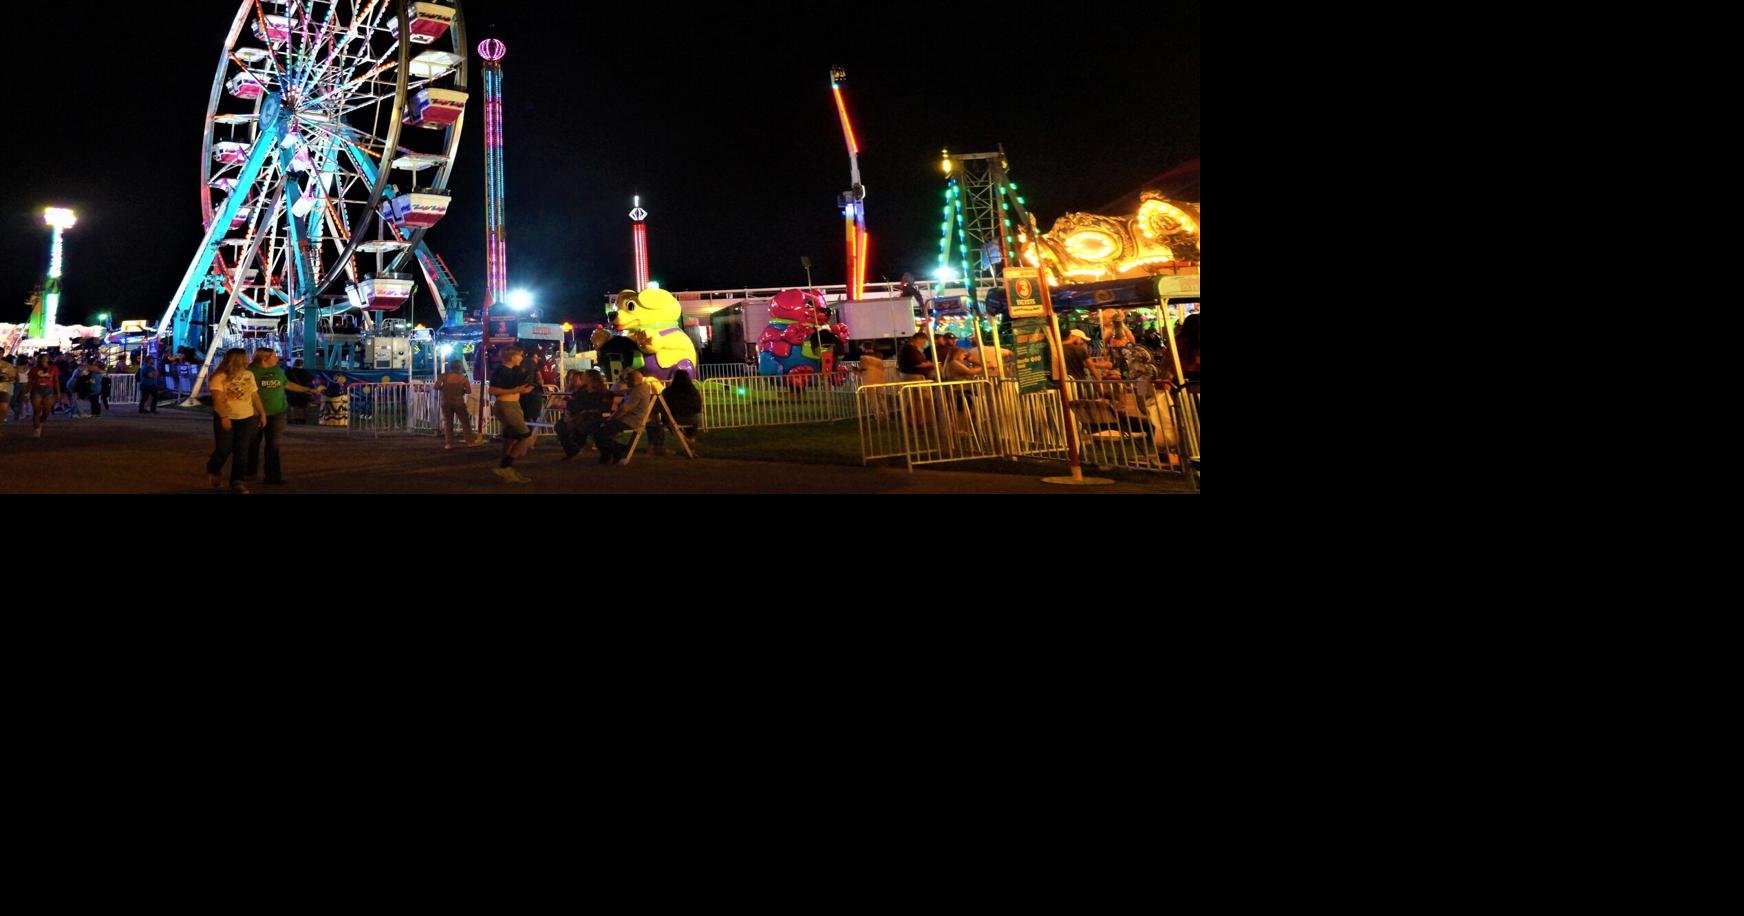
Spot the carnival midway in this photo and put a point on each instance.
(331, 135)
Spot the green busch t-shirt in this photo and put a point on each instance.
(272, 389)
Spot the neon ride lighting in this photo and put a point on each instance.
(639, 241)
(847, 129)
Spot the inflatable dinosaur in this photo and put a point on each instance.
(790, 344)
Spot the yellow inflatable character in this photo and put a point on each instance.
(651, 318)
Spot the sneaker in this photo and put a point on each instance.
(38, 433)
(479, 441)
(503, 472)
(447, 445)
(515, 477)
(238, 487)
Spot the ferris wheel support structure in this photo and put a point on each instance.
(309, 116)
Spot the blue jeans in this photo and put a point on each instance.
(270, 434)
(231, 445)
(606, 437)
(575, 429)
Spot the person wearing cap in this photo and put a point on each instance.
(945, 342)
(1077, 353)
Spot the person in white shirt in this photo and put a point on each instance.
(236, 415)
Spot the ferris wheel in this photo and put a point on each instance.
(330, 135)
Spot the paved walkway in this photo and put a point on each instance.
(124, 452)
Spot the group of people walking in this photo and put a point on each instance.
(252, 398)
(44, 387)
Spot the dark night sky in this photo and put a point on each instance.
(723, 122)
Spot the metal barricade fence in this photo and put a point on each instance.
(1186, 413)
(425, 413)
(379, 407)
(1122, 424)
(932, 423)
(723, 370)
(416, 408)
(948, 421)
(123, 389)
(774, 400)
(1031, 422)
(426, 409)
(879, 410)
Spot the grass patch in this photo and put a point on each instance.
(838, 442)
(802, 443)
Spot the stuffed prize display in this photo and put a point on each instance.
(651, 319)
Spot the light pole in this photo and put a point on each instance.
(58, 219)
(805, 262)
